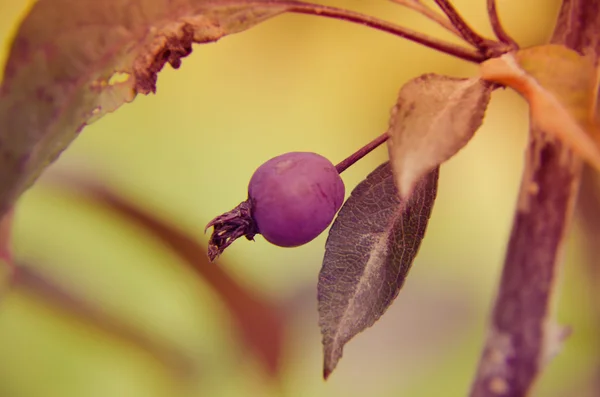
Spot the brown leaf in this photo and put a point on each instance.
(72, 61)
(259, 322)
(368, 254)
(434, 118)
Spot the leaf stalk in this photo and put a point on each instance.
(457, 51)
(499, 30)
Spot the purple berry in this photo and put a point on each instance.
(294, 197)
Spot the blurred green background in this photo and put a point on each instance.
(186, 154)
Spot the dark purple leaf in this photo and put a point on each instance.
(369, 252)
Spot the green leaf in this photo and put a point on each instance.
(368, 254)
(72, 61)
(434, 118)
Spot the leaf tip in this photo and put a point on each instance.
(331, 357)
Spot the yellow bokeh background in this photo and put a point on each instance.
(293, 83)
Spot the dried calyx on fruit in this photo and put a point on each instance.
(292, 198)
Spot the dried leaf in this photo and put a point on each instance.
(72, 61)
(369, 252)
(561, 87)
(434, 118)
(259, 321)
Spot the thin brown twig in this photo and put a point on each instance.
(470, 35)
(430, 13)
(499, 30)
(397, 30)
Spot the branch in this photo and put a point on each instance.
(461, 52)
(499, 31)
(522, 335)
(588, 208)
(578, 26)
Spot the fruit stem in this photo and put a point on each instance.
(362, 152)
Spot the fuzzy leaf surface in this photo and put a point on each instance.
(434, 118)
(368, 254)
(72, 61)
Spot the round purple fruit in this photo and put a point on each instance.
(294, 197)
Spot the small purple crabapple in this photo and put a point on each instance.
(292, 198)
